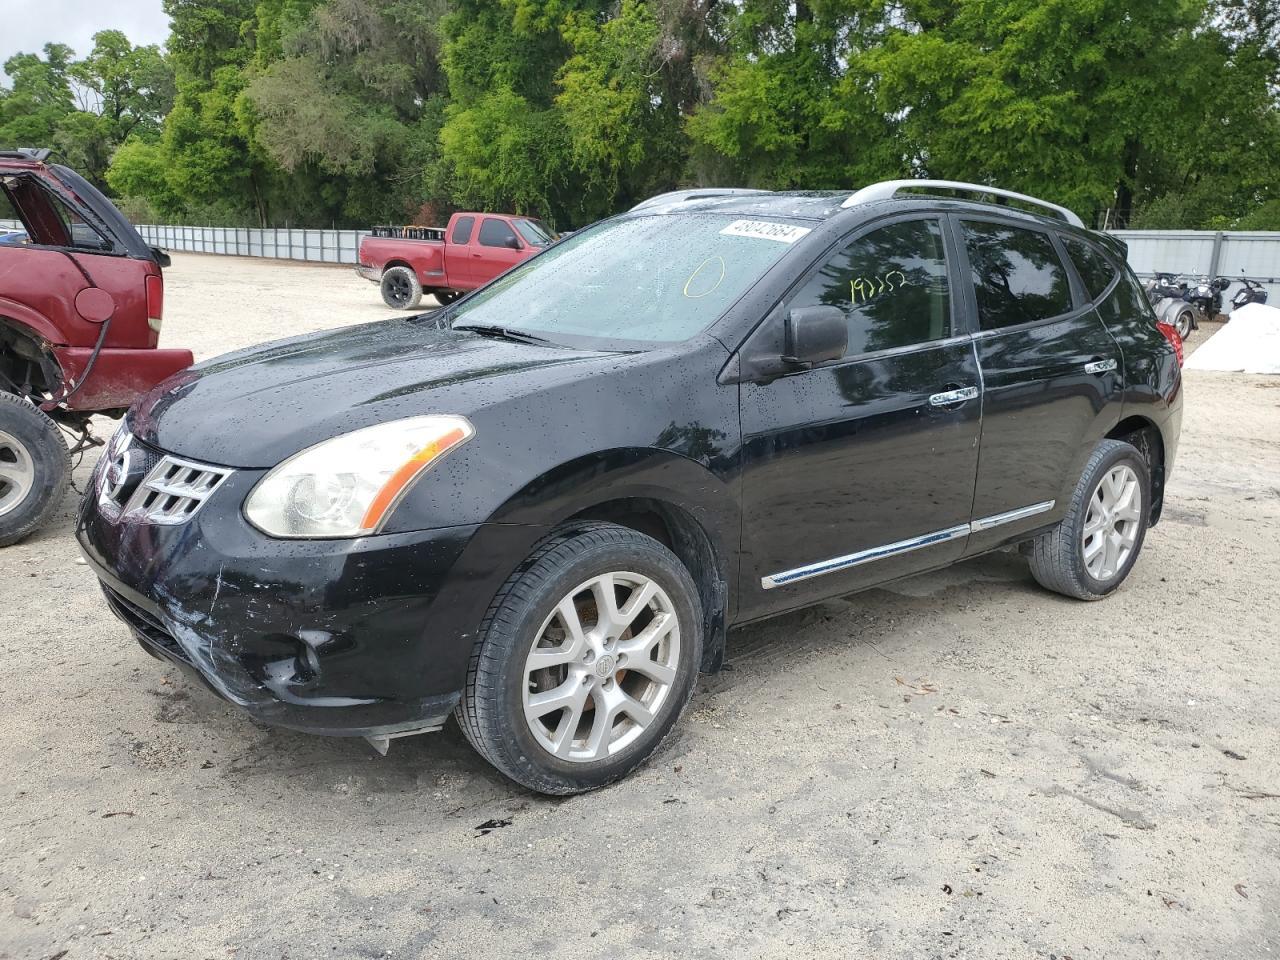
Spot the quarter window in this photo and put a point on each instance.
(462, 229)
(1017, 274)
(1095, 270)
(891, 284)
(496, 233)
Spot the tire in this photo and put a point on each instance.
(35, 468)
(1062, 561)
(565, 572)
(446, 297)
(1184, 323)
(400, 288)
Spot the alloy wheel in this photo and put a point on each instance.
(602, 666)
(17, 472)
(1112, 523)
(398, 287)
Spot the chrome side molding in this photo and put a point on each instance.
(862, 556)
(995, 520)
(902, 546)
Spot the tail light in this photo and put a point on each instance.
(1171, 334)
(155, 302)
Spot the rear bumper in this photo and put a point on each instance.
(372, 274)
(119, 376)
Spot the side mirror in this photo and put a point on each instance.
(513, 243)
(815, 334)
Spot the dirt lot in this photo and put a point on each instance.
(958, 765)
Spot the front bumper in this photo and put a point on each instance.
(363, 637)
(372, 274)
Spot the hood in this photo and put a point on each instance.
(253, 408)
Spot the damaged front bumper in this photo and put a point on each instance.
(372, 274)
(367, 637)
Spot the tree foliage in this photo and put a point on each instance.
(1143, 112)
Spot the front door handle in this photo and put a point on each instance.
(953, 398)
(1100, 366)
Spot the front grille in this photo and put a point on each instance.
(140, 620)
(138, 482)
(174, 490)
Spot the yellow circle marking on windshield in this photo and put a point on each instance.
(696, 273)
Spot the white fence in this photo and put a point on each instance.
(1195, 253)
(316, 246)
(1206, 253)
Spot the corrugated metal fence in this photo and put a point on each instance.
(1192, 252)
(1206, 253)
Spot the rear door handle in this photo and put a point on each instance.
(1100, 366)
(949, 398)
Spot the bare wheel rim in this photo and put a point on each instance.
(1112, 522)
(17, 473)
(601, 667)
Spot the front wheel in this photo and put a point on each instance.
(1091, 551)
(587, 657)
(446, 297)
(35, 468)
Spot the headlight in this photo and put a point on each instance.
(348, 486)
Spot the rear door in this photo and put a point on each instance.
(861, 470)
(494, 250)
(1052, 377)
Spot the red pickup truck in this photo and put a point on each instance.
(81, 299)
(447, 262)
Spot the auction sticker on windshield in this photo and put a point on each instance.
(765, 230)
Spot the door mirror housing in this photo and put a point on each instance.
(513, 243)
(815, 334)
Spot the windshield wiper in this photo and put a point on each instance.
(506, 333)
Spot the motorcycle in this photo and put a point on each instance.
(1251, 292)
(1206, 297)
(1168, 295)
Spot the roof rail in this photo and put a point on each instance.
(888, 189)
(701, 193)
(38, 154)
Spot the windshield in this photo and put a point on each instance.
(535, 233)
(652, 279)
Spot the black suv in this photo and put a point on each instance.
(542, 507)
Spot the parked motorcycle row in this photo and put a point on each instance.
(1182, 302)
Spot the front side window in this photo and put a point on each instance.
(1017, 275)
(1095, 270)
(651, 279)
(496, 233)
(462, 229)
(891, 284)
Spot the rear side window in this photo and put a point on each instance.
(496, 233)
(462, 229)
(1017, 275)
(80, 235)
(1095, 270)
(891, 284)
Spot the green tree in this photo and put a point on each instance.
(38, 99)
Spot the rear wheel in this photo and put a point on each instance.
(1089, 554)
(400, 288)
(588, 655)
(1184, 323)
(35, 468)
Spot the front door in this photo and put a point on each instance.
(1051, 372)
(495, 250)
(862, 470)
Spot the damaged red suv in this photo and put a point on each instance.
(81, 298)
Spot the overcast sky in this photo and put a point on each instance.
(27, 25)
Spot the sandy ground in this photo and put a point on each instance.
(961, 765)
